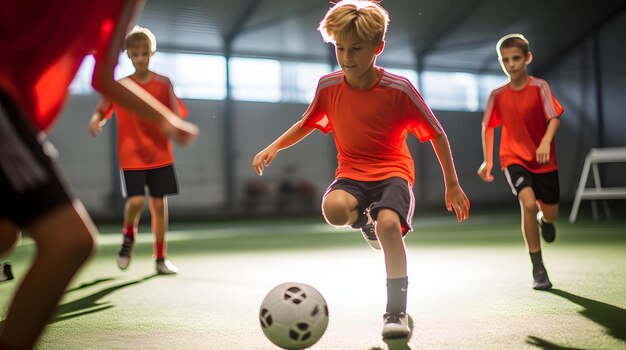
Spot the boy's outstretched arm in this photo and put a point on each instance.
(128, 94)
(286, 140)
(455, 197)
(484, 171)
(98, 119)
(543, 151)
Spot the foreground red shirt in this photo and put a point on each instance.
(44, 42)
(370, 125)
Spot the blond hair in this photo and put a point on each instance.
(354, 19)
(139, 35)
(513, 40)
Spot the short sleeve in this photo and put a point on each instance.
(551, 107)
(315, 115)
(177, 104)
(421, 120)
(491, 119)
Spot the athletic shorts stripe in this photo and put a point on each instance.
(508, 179)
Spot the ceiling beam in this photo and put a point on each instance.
(297, 12)
(241, 21)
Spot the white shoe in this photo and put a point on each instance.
(165, 267)
(123, 256)
(396, 326)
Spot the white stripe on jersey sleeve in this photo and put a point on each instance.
(404, 85)
(546, 96)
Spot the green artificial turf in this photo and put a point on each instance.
(469, 287)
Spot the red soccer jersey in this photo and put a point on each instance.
(370, 125)
(523, 114)
(44, 42)
(141, 144)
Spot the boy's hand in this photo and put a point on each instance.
(95, 126)
(457, 200)
(543, 153)
(484, 172)
(263, 159)
(182, 132)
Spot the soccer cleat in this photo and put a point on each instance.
(541, 281)
(123, 256)
(548, 231)
(396, 326)
(165, 267)
(369, 232)
(5, 272)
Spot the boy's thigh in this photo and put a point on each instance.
(518, 178)
(162, 181)
(346, 190)
(31, 184)
(545, 186)
(134, 183)
(396, 194)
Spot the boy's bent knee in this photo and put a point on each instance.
(388, 225)
(529, 208)
(135, 202)
(337, 217)
(388, 228)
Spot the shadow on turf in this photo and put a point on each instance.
(89, 284)
(611, 317)
(90, 304)
(546, 345)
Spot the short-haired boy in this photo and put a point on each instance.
(144, 152)
(370, 111)
(529, 115)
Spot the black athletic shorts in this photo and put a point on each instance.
(393, 193)
(545, 186)
(160, 182)
(31, 184)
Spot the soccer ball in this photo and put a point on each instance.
(294, 315)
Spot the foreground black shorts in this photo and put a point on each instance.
(393, 193)
(160, 182)
(545, 186)
(31, 184)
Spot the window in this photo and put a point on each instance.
(255, 79)
(451, 91)
(300, 80)
(81, 85)
(486, 83)
(204, 77)
(193, 76)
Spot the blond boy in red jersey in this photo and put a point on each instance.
(529, 115)
(370, 111)
(36, 67)
(144, 152)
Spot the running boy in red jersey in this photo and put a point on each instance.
(529, 116)
(370, 111)
(144, 152)
(36, 67)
